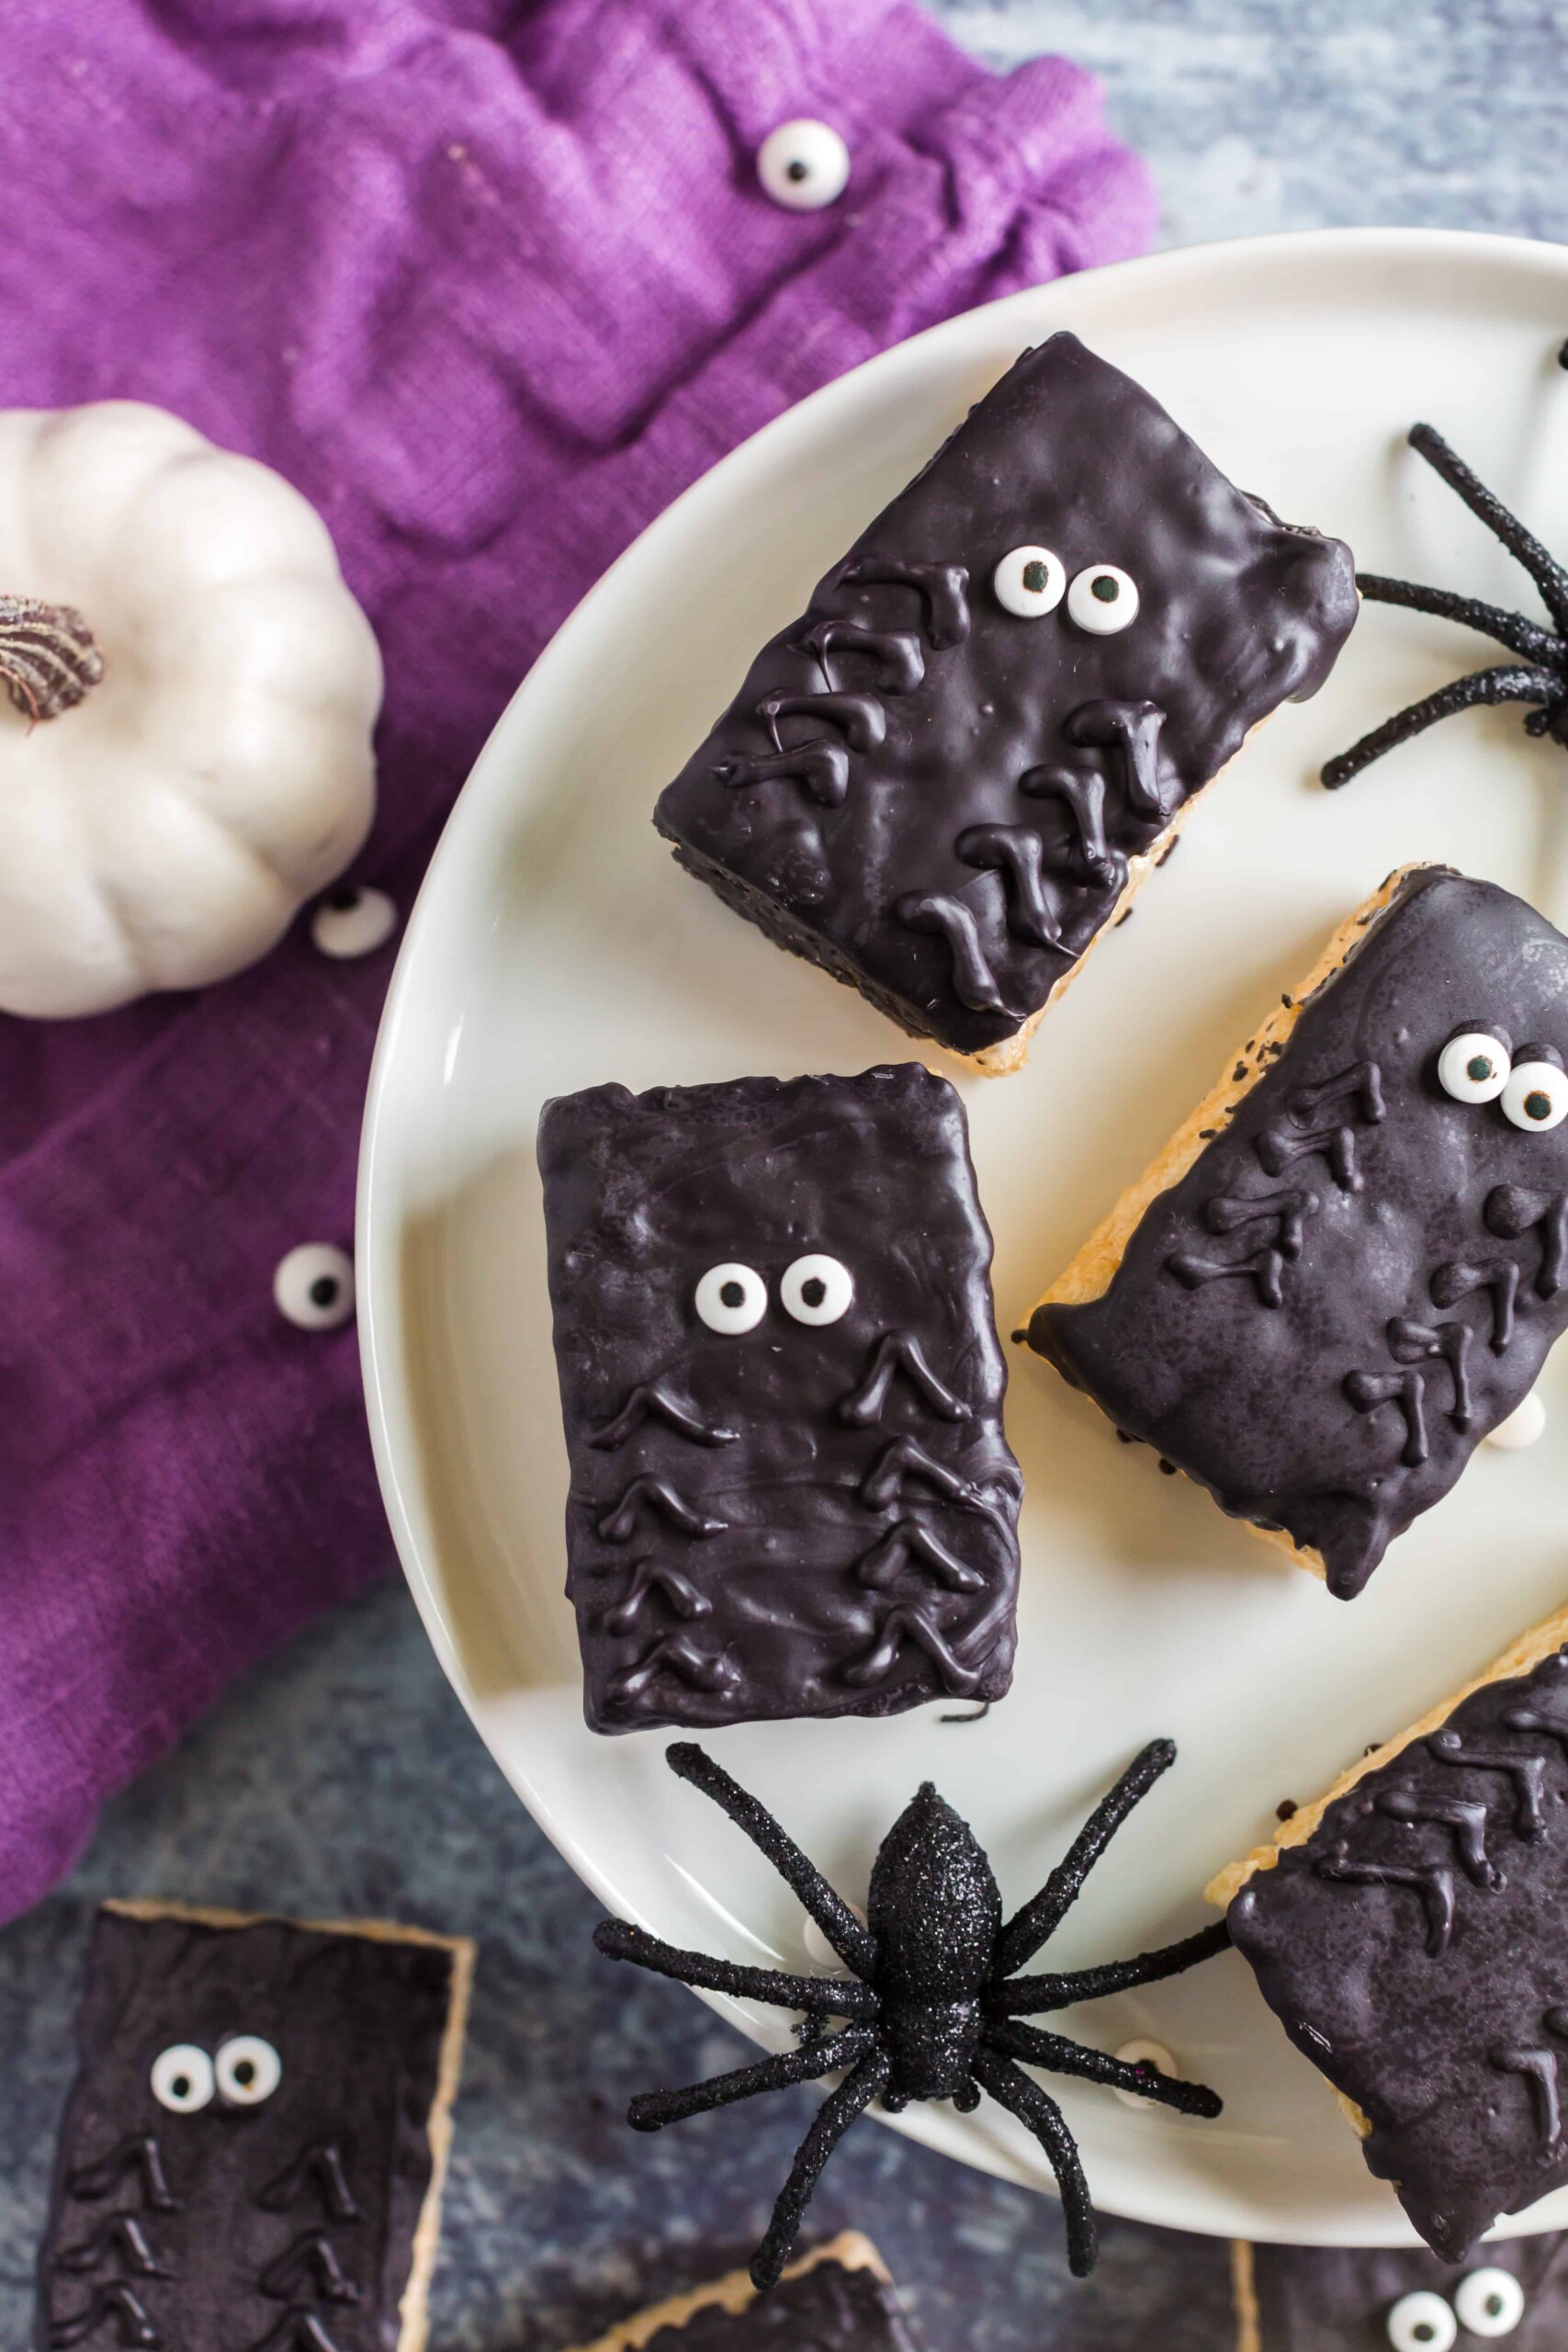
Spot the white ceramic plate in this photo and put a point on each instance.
(556, 946)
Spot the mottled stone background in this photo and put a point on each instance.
(343, 1778)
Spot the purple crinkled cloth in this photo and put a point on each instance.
(489, 282)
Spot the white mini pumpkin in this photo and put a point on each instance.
(162, 828)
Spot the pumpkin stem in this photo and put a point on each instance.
(48, 658)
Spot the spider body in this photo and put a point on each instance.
(930, 2008)
(1538, 676)
(934, 1912)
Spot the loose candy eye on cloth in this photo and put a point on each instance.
(930, 2010)
(804, 165)
(1541, 674)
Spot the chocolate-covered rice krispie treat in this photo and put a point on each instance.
(1408, 1929)
(837, 2299)
(253, 2149)
(791, 1491)
(1347, 1266)
(1370, 2298)
(944, 779)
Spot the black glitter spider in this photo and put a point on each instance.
(929, 2009)
(1539, 677)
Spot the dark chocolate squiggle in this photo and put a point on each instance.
(1303, 1133)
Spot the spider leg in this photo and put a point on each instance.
(653, 2110)
(1060, 2056)
(832, 2120)
(1512, 629)
(821, 1995)
(853, 1941)
(1040, 2112)
(1033, 1995)
(1509, 681)
(1039, 1919)
(1543, 569)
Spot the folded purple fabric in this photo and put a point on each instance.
(490, 282)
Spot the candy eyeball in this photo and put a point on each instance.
(352, 921)
(731, 1298)
(1030, 582)
(1103, 600)
(816, 1290)
(804, 165)
(1473, 1066)
(1140, 2053)
(248, 2070)
(183, 2079)
(1422, 2323)
(313, 1286)
(1536, 1096)
(1490, 2302)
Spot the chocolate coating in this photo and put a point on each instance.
(937, 800)
(1358, 1277)
(801, 1519)
(235, 2225)
(1332, 2299)
(816, 2311)
(1413, 1948)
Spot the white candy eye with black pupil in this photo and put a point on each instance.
(1474, 1068)
(1103, 600)
(1030, 582)
(731, 1298)
(1422, 2323)
(313, 1287)
(248, 2069)
(1490, 2302)
(183, 2079)
(351, 921)
(804, 165)
(1536, 1096)
(816, 1290)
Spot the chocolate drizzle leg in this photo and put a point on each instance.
(1344, 1277)
(1408, 1931)
(813, 1513)
(942, 799)
(288, 2195)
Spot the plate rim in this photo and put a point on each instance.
(393, 1420)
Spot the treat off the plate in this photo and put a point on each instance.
(838, 2297)
(941, 782)
(1408, 1931)
(252, 2150)
(790, 1492)
(1350, 1264)
(1369, 2298)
